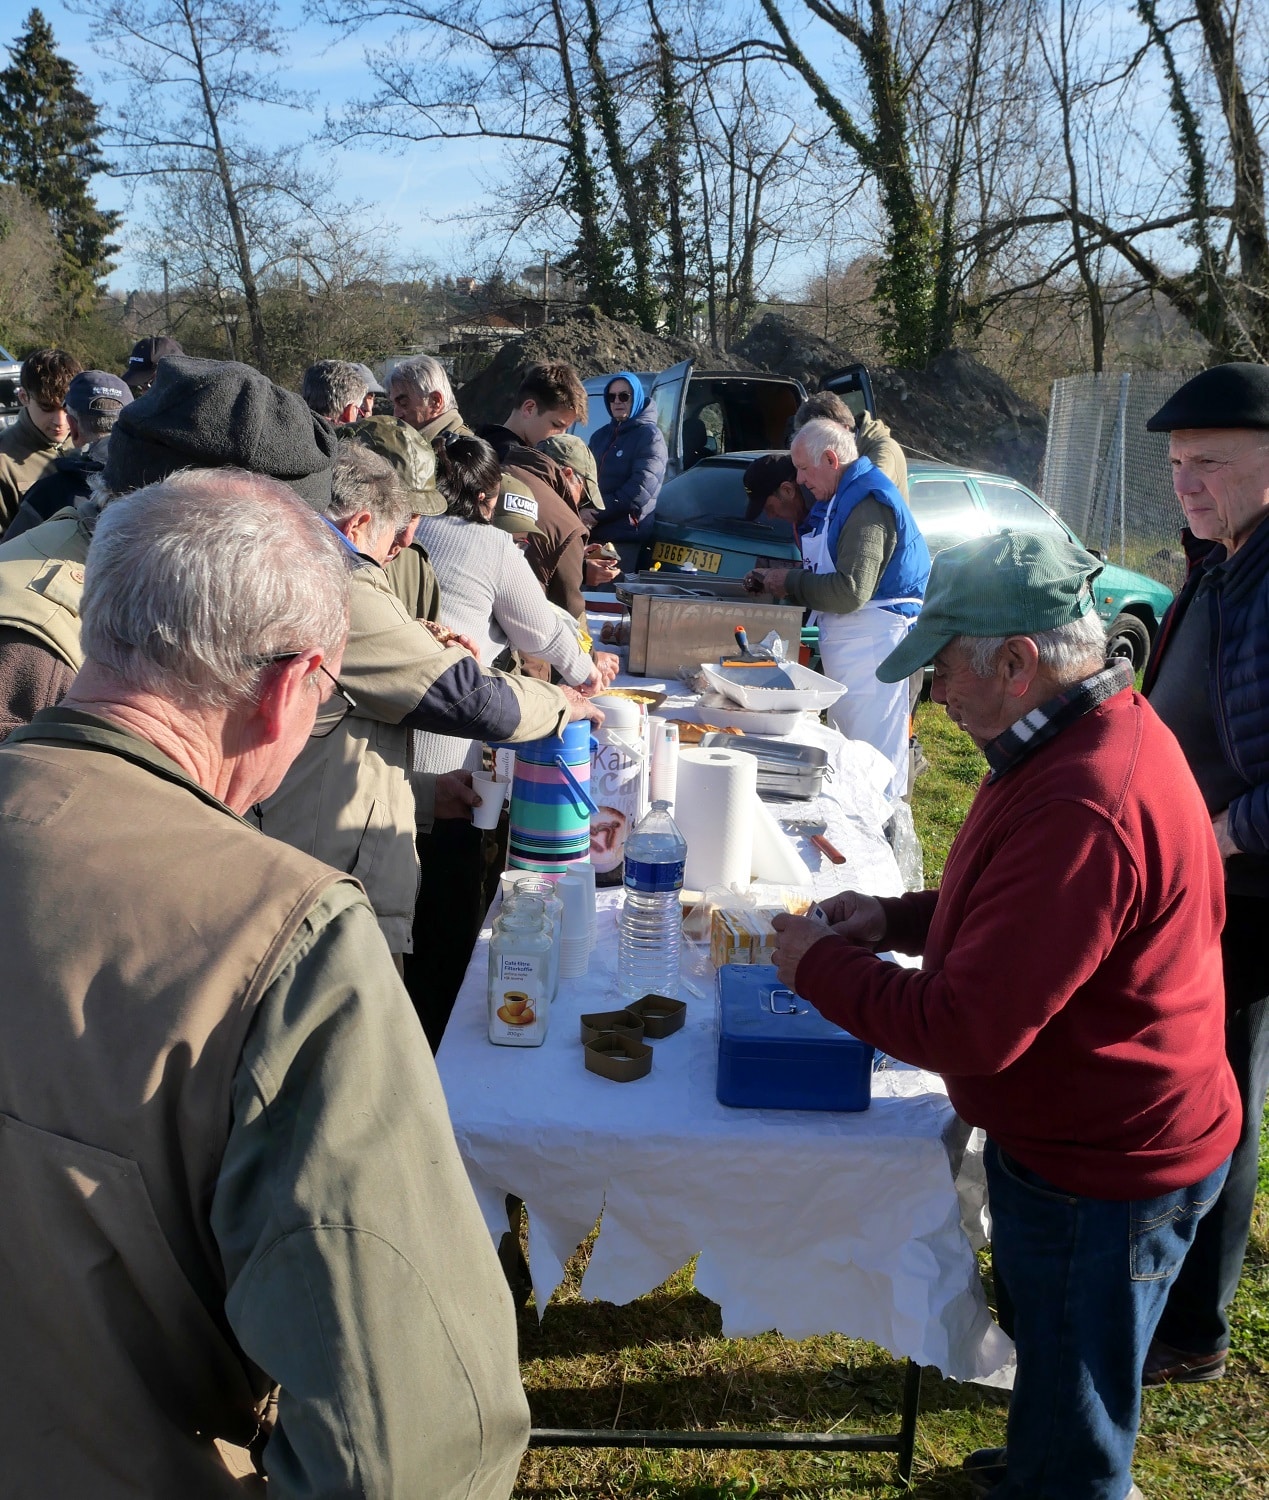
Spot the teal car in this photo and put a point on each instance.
(700, 527)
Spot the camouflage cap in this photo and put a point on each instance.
(517, 508)
(571, 452)
(409, 453)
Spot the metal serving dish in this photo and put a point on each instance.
(785, 770)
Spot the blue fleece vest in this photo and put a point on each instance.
(908, 570)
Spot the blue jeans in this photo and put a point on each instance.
(1080, 1285)
(1196, 1318)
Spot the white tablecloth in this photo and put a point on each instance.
(804, 1222)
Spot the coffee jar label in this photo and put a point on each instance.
(517, 1004)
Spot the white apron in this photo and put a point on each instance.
(851, 648)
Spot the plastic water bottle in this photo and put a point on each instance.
(648, 937)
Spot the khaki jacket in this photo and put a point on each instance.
(196, 1024)
(118, 1039)
(42, 582)
(873, 440)
(448, 421)
(25, 454)
(413, 581)
(347, 800)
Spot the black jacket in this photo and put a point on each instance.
(64, 484)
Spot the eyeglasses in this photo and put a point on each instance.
(620, 398)
(333, 712)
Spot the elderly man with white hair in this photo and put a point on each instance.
(235, 1215)
(863, 575)
(1070, 994)
(423, 397)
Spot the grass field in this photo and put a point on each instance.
(662, 1361)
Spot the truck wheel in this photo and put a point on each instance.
(1129, 638)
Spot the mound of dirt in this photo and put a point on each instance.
(958, 410)
(592, 343)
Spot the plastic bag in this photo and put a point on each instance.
(901, 835)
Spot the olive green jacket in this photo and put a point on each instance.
(225, 1161)
(25, 455)
(347, 800)
(872, 438)
(448, 421)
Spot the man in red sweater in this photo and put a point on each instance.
(1071, 995)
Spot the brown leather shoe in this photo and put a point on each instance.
(1167, 1366)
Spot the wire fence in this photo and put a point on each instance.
(1107, 477)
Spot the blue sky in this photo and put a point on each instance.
(413, 192)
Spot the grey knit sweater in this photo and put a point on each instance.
(488, 592)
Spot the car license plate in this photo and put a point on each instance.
(673, 552)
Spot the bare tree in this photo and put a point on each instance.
(1131, 210)
(30, 258)
(760, 185)
(513, 71)
(228, 208)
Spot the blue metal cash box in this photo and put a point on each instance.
(775, 1050)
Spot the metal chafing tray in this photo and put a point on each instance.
(679, 625)
(785, 769)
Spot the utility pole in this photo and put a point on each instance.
(299, 283)
(546, 287)
(167, 300)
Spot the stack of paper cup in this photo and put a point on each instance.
(585, 871)
(575, 942)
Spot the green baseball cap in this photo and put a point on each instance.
(570, 451)
(1011, 583)
(409, 453)
(516, 510)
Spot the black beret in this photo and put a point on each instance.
(764, 477)
(215, 414)
(1234, 395)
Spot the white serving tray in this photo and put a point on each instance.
(810, 690)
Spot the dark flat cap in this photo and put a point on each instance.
(764, 477)
(215, 414)
(1225, 396)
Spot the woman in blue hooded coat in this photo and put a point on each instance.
(630, 455)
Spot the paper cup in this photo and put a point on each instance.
(585, 871)
(572, 892)
(492, 791)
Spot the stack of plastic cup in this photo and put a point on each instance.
(575, 942)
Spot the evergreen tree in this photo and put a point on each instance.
(48, 147)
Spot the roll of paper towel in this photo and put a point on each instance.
(775, 856)
(714, 809)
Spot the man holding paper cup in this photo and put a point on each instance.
(1071, 994)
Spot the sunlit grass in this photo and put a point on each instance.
(662, 1361)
